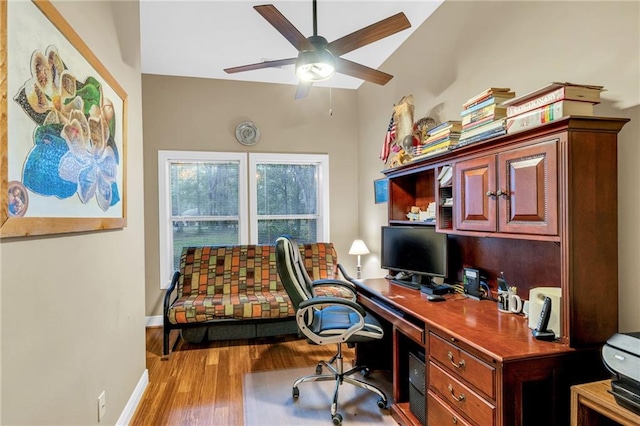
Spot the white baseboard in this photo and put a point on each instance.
(154, 321)
(134, 400)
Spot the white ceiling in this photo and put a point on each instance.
(202, 37)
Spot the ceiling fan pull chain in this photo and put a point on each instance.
(330, 103)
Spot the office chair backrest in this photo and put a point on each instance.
(291, 271)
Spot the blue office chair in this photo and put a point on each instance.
(325, 320)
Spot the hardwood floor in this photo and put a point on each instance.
(202, 384)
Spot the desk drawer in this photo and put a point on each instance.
(463, 364)
(396, 317)
(440, 414)
(461, 397)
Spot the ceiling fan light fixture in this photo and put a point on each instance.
(315, 65)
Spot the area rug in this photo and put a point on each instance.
(268, 401)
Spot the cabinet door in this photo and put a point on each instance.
(528, 190)
(474, 199)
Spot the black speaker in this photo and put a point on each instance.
(417, 391)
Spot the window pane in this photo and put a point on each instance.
(204, 189)
(202, 233)
(303, 230)
(287, 189)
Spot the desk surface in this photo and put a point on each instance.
(505, 336)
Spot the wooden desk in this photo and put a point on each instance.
(506, 376)
(589, 399)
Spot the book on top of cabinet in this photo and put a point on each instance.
(488, 127)
(550, 93)
(492, 110)
(497, 100)
(501, 92)
(451, 125)
(546, 114)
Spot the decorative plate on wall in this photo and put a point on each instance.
(247, 133)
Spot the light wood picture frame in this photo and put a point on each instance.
(63, 128)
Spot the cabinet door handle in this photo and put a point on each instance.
(454, 420)
(459, 364)
(460, 398)
(501, 192)
(491, 194)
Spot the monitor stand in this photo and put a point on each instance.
(415, 283)
(433, 288)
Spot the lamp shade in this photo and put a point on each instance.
(358, 247)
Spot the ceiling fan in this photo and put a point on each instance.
(318, 59)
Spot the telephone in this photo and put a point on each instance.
(541, 332)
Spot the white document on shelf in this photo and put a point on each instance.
(443, 172)
(448, 176)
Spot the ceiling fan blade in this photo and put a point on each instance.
(304, 87)
(261, 65)
(286, 28)
(367, 35)
(353, 69)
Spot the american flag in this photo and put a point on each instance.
(388, 140)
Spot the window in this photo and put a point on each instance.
(289, 195)
(203, 200)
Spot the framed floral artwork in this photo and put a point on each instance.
(63, 128)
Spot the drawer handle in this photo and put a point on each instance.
(460, 364)
(460, 398)
(454, 420)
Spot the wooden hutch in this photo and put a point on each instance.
(541, 207)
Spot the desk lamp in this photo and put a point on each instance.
(358, 248)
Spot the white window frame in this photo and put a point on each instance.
(321, 160)
(165, 226)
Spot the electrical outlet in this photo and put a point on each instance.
(102, 405)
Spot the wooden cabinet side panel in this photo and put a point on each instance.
(592, 237)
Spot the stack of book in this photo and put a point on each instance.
(483, 117)
(441, 138)
(549, 103)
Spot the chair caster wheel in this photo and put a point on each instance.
(318, 369)
(336, 419)
(382, 403)
(295, 392)
(365, 372)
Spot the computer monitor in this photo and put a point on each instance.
(419, 252)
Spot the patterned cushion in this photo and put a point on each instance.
(201, 308)
(242, 282)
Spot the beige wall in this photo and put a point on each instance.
(465, 47)
(72, 308)
(194, 114)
